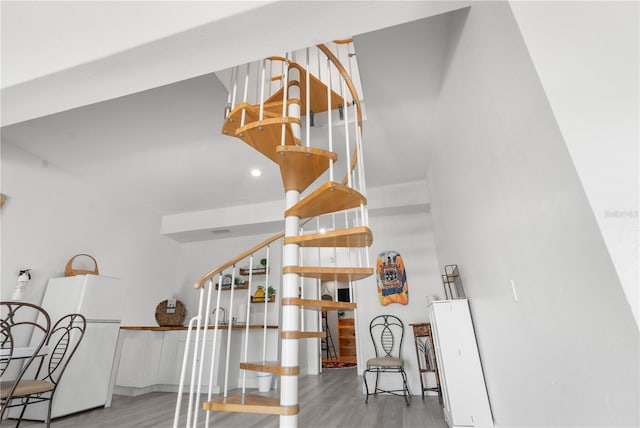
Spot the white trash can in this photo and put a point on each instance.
(264, 381)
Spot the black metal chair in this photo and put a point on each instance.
(63, 342)
(6, 346)
(387, 334)
(25, 329)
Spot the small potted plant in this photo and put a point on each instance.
(271, 291)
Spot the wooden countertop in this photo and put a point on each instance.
(184, 327)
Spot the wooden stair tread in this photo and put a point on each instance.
(266, 135)
(250, 403)
(328, 198)
(301, 166)
(252, 114)
(269, 367)
(330, 273)
(354, 237)
(318, 90)
(324, 305)
(303, 335)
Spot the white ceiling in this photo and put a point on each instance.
(162, 147)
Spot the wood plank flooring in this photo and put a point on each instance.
(333, 399)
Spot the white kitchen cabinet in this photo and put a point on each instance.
(464, 393)
(140, 358)
(170, 357)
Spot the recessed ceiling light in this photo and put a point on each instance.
(256, 172)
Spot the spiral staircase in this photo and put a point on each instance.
(279, 126)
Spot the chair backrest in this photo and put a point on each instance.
(387, 334)
(27, 327)
(28, 324)
(65, 337)
(6, 346)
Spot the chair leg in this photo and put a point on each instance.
(407, 394)
(49, 411)
(24, 408)
(366, 386)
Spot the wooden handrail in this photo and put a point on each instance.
(199, 283)
(347, 79)
(354, 95)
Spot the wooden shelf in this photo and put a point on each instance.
(237, 287)
(261, 299)
(425, 355)
(245, 272)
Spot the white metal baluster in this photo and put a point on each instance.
(358, 171)
(262, 92)
(229, 328)
(183, 373)
(266, 302)
(216, 323)
(195, 357)
(283, 67)
(308, 101)
(284, 97)
(235, 87)
(245, 94)
(319, 294)
(258, 76)
(346, 130)
(329, 121)
(204, 341)
(246, 326)
(227, 109)
(319, 66)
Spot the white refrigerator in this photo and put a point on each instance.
(86, 382)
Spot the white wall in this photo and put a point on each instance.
(508, 205)
(590, 74)
(49, 216)
(411, 235)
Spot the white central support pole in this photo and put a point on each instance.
(290, 281)
(290, 316)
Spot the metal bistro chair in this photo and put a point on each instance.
(387, 334)
(6, 346)
(24, 331)
(63, 342)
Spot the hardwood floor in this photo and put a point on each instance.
(333, 399)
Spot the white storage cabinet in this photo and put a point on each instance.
(464, 393)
